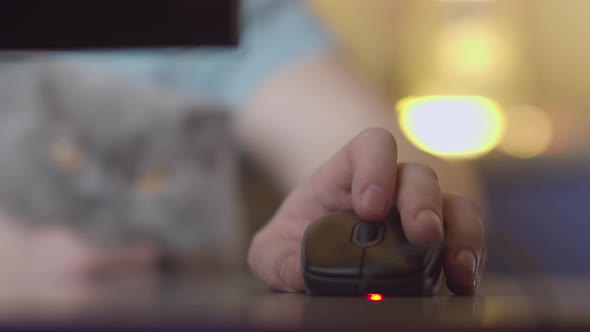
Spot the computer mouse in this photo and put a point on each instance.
(342, 254)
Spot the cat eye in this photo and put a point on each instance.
(151, 182)
(66, 155)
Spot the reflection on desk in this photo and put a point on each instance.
(240, 301)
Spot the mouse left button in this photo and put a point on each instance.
(327, 249)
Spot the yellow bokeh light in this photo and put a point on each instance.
(452, 126)
(472, 49)
(529, 132)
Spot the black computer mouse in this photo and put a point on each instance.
(343, 255)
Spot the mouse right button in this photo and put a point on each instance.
(394, 256)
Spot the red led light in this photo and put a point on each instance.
(374, 297)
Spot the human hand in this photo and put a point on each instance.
(365, 176)
(52, 258)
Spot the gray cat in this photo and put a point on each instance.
(117, 162)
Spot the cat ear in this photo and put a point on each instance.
(51, 84)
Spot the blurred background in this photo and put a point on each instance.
(502, 84)
(509, 82)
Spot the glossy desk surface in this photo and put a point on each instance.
(238, 301)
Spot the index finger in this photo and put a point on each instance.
(362, 176)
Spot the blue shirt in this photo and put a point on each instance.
(272, 33)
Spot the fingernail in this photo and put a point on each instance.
(374, 199)
(467, 259)
(431, 224)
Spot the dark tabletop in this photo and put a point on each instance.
(238, 301)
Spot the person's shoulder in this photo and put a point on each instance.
(257, 11)
(259, 7)
(274, 34)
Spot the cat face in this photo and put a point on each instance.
(120, 170)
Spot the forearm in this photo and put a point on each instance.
(304, 113)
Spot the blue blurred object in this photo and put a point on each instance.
(272, 33)
(541, 210)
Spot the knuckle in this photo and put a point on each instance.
(475, 232)
(411, 212)
(419, 168)
(463, 202)
(469, 204)
(468, 211)
(378, 131)
(380, 134)
(411, 203)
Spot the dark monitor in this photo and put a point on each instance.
(107, 24)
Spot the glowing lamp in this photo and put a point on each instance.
(529, 132)
(452, 126)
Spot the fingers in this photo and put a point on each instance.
(364, 176)
(360, 176)
(373, 156)
(464, 254)
(420, 204)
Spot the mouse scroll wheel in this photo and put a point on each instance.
(367, 233)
